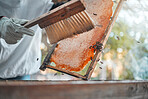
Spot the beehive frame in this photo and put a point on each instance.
(87, 76)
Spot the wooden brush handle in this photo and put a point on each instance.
(31, 23)
(62, 12)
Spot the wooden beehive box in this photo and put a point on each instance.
(73, 90)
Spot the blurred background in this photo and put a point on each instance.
(125, 56)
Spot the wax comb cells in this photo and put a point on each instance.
(75, 52)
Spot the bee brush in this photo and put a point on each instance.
(64, 21)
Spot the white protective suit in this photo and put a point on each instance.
(22, 58)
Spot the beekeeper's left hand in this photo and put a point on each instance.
(11, 29)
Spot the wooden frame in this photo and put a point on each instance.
(96, 56)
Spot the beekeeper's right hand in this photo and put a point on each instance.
(11, 29)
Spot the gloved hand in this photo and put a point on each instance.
(11, 30)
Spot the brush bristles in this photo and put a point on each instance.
(73, 25)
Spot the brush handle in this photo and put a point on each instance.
(31, 23)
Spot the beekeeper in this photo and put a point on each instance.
(20, 53)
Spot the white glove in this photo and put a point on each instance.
(12, 31)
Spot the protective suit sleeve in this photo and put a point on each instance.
(11, 30)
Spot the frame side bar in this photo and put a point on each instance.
(66, 72)
(107, 32)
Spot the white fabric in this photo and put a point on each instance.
(12, 31)
(21, 58)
